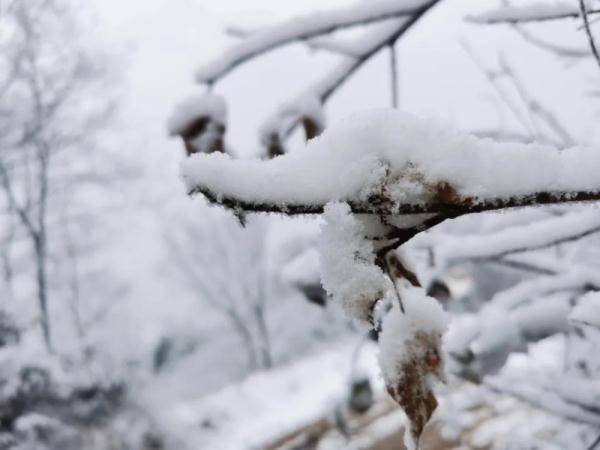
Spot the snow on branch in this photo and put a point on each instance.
(306, 27)
(356, 52)
(521, 238)
(577, 278)
(200, 121)
(348, 270)
(480, 344)
(587, 311)
(390, 163)
(193, 108)
(280, 125)
(568, 397)
(531, 12)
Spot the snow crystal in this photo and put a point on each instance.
(352, 159)
(587, 310)
(348, 269)
(195, 107)
(422, 313)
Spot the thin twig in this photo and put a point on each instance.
(491, 77)
(388, 271)
(594, 444)
(586, 23)
(525, 248)
(393, 75)
(558, 50)
(282, 34)
(342, 73)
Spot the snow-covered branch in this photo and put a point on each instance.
(307, 27)
(521, 238)
(531, 12)
(280, 126)
(572, 398)
(390, 163)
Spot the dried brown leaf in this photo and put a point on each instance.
(411, 386)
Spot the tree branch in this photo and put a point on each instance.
(393, 76)
(305, 28)
(382, 206)
(588, 31)
(527, 13)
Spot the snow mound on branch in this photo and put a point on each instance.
(399, 156)
(306, 106)
(587, 310)
(347, 261)
(193, 108)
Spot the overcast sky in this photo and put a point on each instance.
(170, 38)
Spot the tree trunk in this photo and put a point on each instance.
(264, 341)
(42, 288)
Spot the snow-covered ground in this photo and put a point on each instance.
(268, 405)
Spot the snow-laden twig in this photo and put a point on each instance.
(389, 163)
(520, 238)
(531, 12)
(578, 278)
(587, 311)
(546, 398)
(558, 50)
(307, 27)
(586, 23)
(361, 51)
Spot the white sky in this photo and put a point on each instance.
(169, 38)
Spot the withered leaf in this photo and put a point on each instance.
(411, 386)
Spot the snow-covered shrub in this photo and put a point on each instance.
(49, 402)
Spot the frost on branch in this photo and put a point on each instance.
(200, 121)
(411, 358)
(347, 260)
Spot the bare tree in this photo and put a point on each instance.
(226, 265)
(51, 107)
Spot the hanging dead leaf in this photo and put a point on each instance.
(411, 359)
(411, 388)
